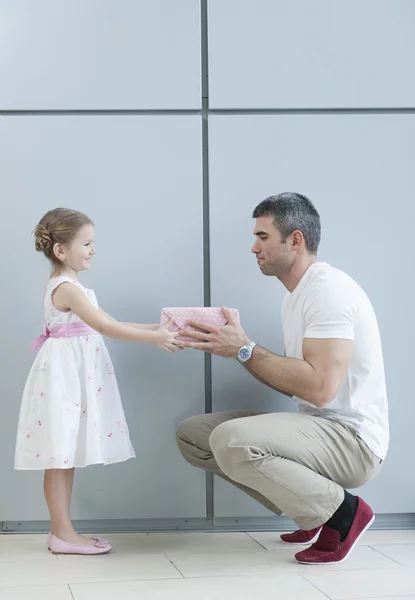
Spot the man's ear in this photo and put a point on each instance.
(297, 239)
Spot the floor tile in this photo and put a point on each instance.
(271, 540)
(404, 536)
(162, 543)
(61, 592)
(199, 542)
(6, 538)
(275, 561)
(370, 583)
(20, 549)
(182, 541)
(402, 553)
(391, 597)
(287, 587)
(81, 569)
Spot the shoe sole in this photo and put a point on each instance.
(80, 553)
(312, 541)
(338, 562)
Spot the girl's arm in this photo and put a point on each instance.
(69, 297)
(154, 327)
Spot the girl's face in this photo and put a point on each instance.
(78, 253)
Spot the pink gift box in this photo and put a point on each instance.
(182, 315)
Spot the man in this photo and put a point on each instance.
(301, 463)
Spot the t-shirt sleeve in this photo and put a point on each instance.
(329, 313)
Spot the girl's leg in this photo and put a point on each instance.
(57, 494)
(69, 476)
(70, 473)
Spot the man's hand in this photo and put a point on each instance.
(223, 341)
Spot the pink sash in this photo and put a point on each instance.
(66, 330)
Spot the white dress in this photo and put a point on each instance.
(71, 413)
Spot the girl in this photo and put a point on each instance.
(71, 413)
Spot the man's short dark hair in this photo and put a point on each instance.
(292, 211)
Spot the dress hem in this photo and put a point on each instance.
(75, 466)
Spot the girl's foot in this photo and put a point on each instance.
(72, 537)
(58, 546)
(92, 538)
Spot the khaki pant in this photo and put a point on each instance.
(290, 462)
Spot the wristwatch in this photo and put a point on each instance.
(245, 352)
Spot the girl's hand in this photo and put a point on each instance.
(165, 339)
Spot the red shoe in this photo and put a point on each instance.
(328, 549)
(301, 537)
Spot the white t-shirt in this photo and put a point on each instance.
(327, 303)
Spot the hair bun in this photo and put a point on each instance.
(42, 239)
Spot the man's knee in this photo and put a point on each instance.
(228, 450)
(186, 431)
(192, 438)
(182, 432)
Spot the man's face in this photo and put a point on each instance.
(274, 256)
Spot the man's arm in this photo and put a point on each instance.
(315, 379)
(246, 365)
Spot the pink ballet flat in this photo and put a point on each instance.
(96, 539)
(58, 546)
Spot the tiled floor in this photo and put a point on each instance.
(204, 566)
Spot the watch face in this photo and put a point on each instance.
(244, 353)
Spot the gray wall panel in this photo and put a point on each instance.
(99, 54)
(320, 54)
(126, 173)
(357, 170)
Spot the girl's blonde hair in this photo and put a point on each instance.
(58, 226)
